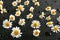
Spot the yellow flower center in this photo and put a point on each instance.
(35, 24)
(20, 7)
(36, 33)
(55, 28)
(50, 23)
(16, 32)
(1, 2)
(7, 24)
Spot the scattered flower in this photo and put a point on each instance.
(34, 1)
(36, 32)
(14, 3)
(35, 24)
(49, 24)
(20, 7)
(56, 28)
(21, 22)
(7, 24)
(18, 13)
(53, 12)
(48, 18)
(1, 2)
(18, 1)
(37, 4)
(1, 7)
(12, 18)
(48, 8)
(58, 19)
(16, 32)
(31, 9)
(42, 15)
(26, 2)
(29, 16)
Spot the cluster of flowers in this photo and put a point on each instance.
(16, 31)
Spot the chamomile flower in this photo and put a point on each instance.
(48, 8)
(20, 7)
(49, 24)
(12, 18)
(18, 1)
(48, 18)
(1, 2)
(26, 2)
(42, 15)
(31, 9)
(1, 7)
(37, 4)
(3, 11)
(56, 28)
(53, 12)
(16, 32)
(7, 24)
(18, 13)
(21, 22)
(34, 1)
(36, 32)
(14, 3)
(58, 19)
(35, 24)
(29, 16)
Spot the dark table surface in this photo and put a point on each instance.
(27, 30)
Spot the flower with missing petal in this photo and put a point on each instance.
(49, 24)
(31, 9)
(36, 32)
(12, 18)
(1, 2)
(48, 8)
(18, 13)
(21, 22)
(14, 3)
(53, 12)
(3, 11)
(18, 1)
(16, 32)
(42, 15)
(56, 28)
(30, 15)
(26, 2)
(48, 18)
(7, 24)
(37, 4)
(35, 24)
(20, 7)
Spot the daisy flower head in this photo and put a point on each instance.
(31, 9)
(16, 32)
(34, 1)
(49, 24)
(7, 24)
(21, 22)
(58, 19)
(26, 2)
(1, 7)
(53, 12)
(56, 28)
(36, 32)
(14, 3)
(18, 1)
(30, 15)
(3, 11)
(18, 13)
(48, 8)
(48, 18)
(12, 18)
(20, 7)
(1, 2)
(42, 15)
(35, 24)
(37, 4)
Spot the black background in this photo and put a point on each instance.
(5, 34)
